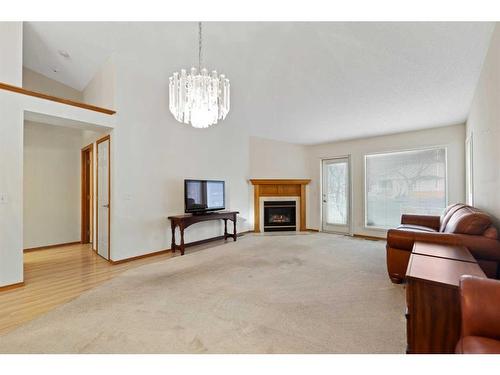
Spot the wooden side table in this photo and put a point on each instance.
(433, 306)
(455, 252)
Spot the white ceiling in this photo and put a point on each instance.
(297, 82)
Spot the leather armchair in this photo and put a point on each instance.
(459, 225)
(480, 306)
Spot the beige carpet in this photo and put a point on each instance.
(316, 293)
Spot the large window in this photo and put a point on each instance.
(409, 182)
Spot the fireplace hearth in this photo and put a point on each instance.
(280, 216)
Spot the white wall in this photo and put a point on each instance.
(100, 90)
(274, 159)
(453, 137)
(483, 125)
(14, 108)
(52, 196)
(152, 154)
(38, 82)
(11, 53)
(11, 179)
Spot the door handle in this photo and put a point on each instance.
(105, 205)
(324, 201)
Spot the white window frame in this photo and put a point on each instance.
(365, 198)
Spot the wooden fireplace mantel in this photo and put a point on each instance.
(279, 188)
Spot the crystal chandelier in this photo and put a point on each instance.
(199, 98)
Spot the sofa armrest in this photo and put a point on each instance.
(481, 247)
(428, 221)
(404, 239)
(480, 304)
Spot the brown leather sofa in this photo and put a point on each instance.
(480, 305)
(458, 225)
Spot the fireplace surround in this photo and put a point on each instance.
(280, 189)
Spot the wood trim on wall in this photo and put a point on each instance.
(20, 90)
(190, 244)
(256, 209)
(303, 226)
(370, 238)
(11, 286)
(360, 236)
(267, 181)
(27, 250)
(140, 256)
(279, 188)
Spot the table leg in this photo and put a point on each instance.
(225, 229)
(234, 230)
(181, 227)
(172, 245)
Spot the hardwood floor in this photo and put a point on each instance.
(55, 276)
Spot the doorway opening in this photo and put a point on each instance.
(59, 177)
(87, 180)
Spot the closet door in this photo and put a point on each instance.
(103, 197)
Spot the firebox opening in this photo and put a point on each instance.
(279, 216)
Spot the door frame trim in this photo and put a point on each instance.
(351, 195)
(469, 169)
(101, 140)
(90, 149)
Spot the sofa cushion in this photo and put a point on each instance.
(467, 220)
(416, 228)
(448, 213)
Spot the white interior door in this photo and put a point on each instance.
(103, 195)
(336, 195)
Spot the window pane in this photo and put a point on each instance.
(411, 182)
(337, 194)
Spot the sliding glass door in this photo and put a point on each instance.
(336, 195)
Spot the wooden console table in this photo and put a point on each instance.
(184, 221)
(433, 304)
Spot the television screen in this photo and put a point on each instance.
(203, 195)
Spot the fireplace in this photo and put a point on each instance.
(279, 190)
(280, 216)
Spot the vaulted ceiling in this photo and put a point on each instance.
(297, 82)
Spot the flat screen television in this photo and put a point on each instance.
(203, 196)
